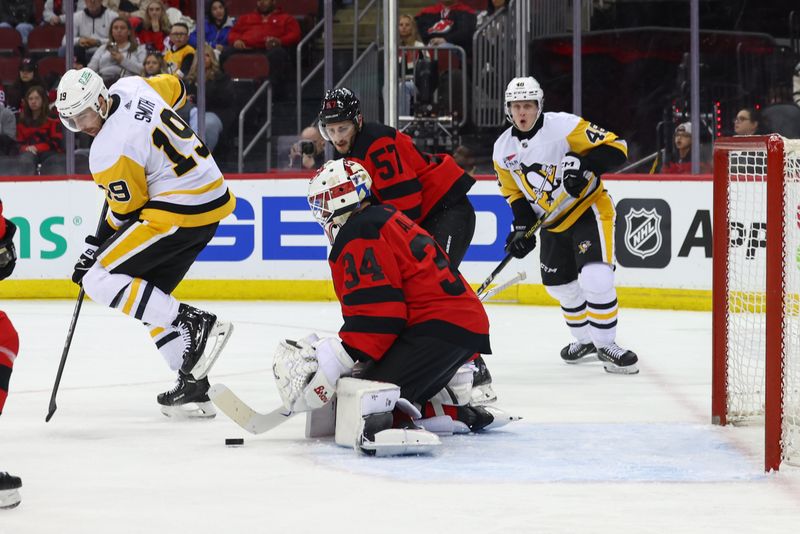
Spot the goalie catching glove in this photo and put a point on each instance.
(306, 371)
(574, 174)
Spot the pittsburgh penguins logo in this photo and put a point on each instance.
(540, 180)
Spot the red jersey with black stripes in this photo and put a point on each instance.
(416, 183)
(392, 278)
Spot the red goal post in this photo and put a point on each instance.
(756, 288)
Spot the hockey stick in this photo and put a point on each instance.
(519, 277)
(52, 409)
(528, 234)
(243, 415)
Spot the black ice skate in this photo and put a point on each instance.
(618, 360)
(482, 392)
(9, 491)
(577, 352)
(197, 326)
(478, 418)
(188, 399)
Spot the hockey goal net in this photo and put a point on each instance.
(756, 290)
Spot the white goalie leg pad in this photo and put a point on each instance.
(9, 498)
(359, 401)
(458, 391)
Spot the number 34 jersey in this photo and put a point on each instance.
(391, 278)
(149, 161)
(529, 168)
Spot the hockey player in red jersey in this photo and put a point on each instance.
(430, 189)
(9, 346)
(410, 318)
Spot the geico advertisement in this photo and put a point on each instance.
(663, 232)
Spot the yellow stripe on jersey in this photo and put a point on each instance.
(132, 296)
(138, 235)
(198, 191)
(125, 184)
(170, 88)
(586, 136)
(508, 187)
(202, 215)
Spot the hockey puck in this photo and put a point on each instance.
(233, 442)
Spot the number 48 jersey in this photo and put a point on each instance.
(150, 162)
(392, 278)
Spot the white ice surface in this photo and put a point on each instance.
(594, 453)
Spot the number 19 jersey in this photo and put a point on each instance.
(150, 162)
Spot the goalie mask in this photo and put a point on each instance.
(78, 97)
(338, 189)
(524, 89)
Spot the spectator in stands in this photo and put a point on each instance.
(28, 77)
(218, 26)
(180, 54)
(683, 146)
(310, 149)
(17, 14)
(39, 135)
(448, 22)
(269, 29)
(90, 30)
(408, 36)
(8, 129)
(124, 7)
(746, 122)
(154, 65)
(219, 88)
(491, 7)
(54, 11)
(155, 25)
(120, 56)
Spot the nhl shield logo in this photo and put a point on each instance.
(643, 232)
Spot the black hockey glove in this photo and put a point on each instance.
(517, 244)
(8, 254)
(575, 176)
(86, 260)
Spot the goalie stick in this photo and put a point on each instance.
(243, 415)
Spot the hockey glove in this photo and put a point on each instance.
(574, 176)
(517, 244)
(86, 260)
(8, 254)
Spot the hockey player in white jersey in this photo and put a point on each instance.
(549, 164)
(165, 196)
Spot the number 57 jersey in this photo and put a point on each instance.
(149, 161)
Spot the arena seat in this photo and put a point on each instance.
(9, 68)
(10, 42)
(44, 40)
(51, 65)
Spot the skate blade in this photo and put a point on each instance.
(617, 370)
(9, 499)
(190, 410)
(221, 332)
(583, 359)
(501, 418)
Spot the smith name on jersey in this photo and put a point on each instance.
(150, 162)
(527, 166)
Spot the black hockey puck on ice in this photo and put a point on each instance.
(232, 442)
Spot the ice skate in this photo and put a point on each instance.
(618, 360)
(9, 491)
(577, 352)
(482, 392)
(197, 327)
(188, 399)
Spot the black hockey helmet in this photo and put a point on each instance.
(339, 105)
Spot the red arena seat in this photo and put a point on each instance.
(45, 40)
(247, 67)
(9, 69)
(10, 42)
(52, 65)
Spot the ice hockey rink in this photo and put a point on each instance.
(594, 453)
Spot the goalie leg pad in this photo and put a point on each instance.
(364, 420)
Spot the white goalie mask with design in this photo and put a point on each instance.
(338, 189)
